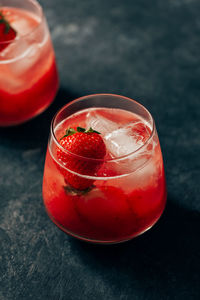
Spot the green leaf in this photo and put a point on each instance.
(81, 129)
(71, 131)
(74, 192)
(7, 28)
(4, 21)
(92, 130)
(68, 132)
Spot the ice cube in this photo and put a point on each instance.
(100, 123)
(123, 141)
(23, 24)
(24, 53)
(20, 55)
(30, 54)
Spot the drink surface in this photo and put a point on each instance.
(28, 75)
(128, 194)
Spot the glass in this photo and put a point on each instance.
(127, 192)
(28, 74)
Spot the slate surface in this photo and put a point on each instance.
(146, 50)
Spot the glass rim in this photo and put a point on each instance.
(120, 158)
(23, 36)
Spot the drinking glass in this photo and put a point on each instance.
(28, 74)
(127, 194)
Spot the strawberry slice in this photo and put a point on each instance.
(84, 144)
(7, 33)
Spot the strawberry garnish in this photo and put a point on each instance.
(89, 149)
(7, 33)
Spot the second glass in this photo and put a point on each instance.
(28, 74)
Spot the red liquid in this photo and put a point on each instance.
(118, 208)
(28, 74)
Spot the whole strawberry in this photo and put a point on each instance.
(7, 33)
(86, 151)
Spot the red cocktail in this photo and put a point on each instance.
(104, 178)
(28, 74)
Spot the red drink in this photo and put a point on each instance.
(127, 193)
(28, 75)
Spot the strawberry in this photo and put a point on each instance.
(84, 144)
(7, 33)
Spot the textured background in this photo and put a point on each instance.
(146, 50)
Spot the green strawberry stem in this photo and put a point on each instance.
(71, 131)
(4, 21)
(80, 129)
(92, 130)
(72, 191)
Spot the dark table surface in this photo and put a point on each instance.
(146, 50)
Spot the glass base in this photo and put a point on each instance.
(103, 242)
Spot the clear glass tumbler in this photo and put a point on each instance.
(28, 74)
(113, 199)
